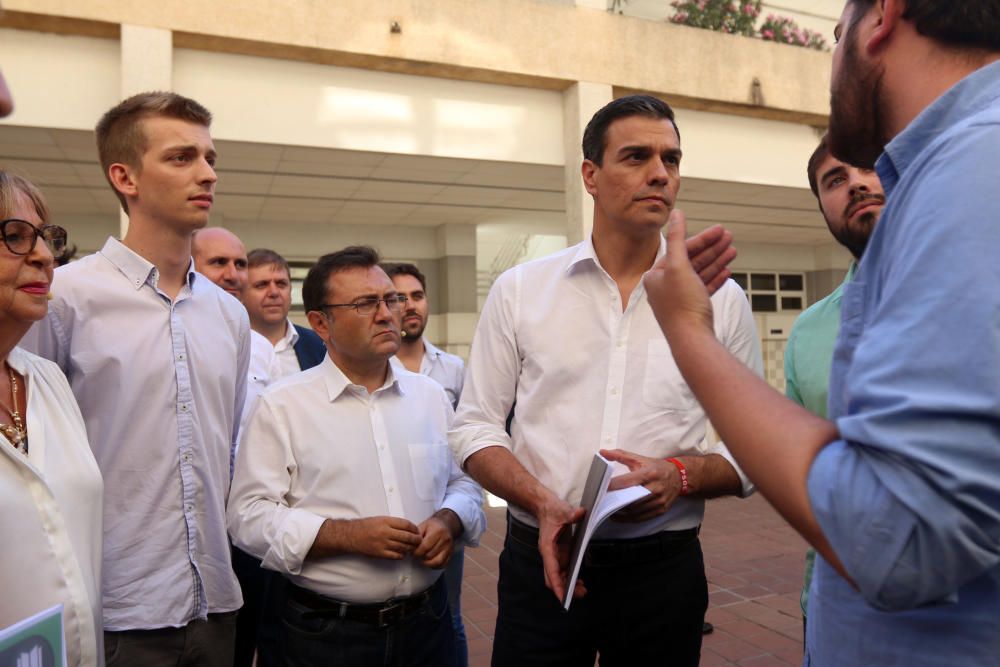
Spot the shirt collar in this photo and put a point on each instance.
(431, 351)
(337, 383)
(136, 268)
(291, 333)
(969, 96)
(585, 252)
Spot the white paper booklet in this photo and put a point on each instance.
(599, 504)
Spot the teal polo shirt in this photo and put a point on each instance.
(808, 359)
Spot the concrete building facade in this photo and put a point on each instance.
(444, 132)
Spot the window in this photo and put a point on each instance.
(298, 271)
(771, 292)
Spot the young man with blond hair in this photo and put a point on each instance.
(157, 357)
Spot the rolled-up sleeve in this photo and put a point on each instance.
(259, 520)
(491, 375)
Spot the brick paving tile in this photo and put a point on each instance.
(754, 565)
(735, 650)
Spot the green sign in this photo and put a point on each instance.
(35, 642)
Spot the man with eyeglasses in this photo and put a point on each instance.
(345, 485)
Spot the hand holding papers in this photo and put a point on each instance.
(599, 504)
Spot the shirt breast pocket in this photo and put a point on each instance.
(663, 385)
(430, 463)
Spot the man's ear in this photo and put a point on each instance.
(123, 179)
(589, 172)
(319, 324)
(888, 14)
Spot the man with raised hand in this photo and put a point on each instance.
(898, 490)
(157, 357)
(572, 340)
(345, 485)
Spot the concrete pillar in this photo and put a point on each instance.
(147, 59)
(453, 287)
(580, 101)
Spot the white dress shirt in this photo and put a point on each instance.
(52, 516)
(320, 447)
(447, 369)
(161, 385)
(284, 350)
(587, 375)
(264, 369)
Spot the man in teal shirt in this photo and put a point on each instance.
(850, 200)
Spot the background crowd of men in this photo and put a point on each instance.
(304, 495)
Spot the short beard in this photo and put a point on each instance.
(407, 336)
(855, 238)
(857, 130)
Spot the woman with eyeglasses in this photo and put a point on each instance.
(50, 485)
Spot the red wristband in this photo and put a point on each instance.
(684, 476)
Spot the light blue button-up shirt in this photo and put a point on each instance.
(910, 497)
(161, 385)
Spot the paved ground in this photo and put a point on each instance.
(754, 562)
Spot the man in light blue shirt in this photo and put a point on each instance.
(157, 357)
(418, 355)
(900, 493)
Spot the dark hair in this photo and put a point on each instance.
(821, 153)
(267, 257)
(964, 24)
(393, 269)
(314, 287)
(595, 137)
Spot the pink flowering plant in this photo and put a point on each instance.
(785, 31)
(736, 17)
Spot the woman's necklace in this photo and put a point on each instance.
(16, 431)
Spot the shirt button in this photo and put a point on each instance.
(607, 439)
(187, 508)
(614, 391)
(187, 458)
(621, 344)
(391, 489)
(180, 356)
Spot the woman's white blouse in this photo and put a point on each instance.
(51, 509)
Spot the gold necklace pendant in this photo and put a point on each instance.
(15, 432)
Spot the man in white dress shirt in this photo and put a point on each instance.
(571, 339)
(220, 256)
(344, 483)
(268, 299)
(157, 358)
(418, 355)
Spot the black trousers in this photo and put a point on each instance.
(644, 606)
(258, 622)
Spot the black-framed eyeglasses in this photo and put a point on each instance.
(368, 306)
(20, 237)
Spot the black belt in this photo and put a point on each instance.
(603, 553)
(381, 614)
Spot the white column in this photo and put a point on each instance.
(580, 102)
(147, 61)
